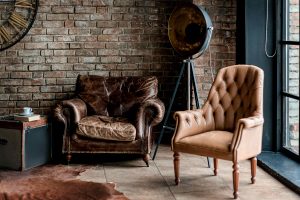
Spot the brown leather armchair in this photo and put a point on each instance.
(109, 115)
(229, 125)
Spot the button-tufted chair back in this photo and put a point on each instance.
(236, 93)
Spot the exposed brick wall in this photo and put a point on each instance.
(104, 37)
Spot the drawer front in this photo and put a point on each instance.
(10, 148)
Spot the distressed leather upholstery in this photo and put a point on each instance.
(106, 128)
(230, 123)
(109, 115)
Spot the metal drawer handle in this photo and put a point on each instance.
(3, 141)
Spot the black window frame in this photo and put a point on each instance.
(285, 94)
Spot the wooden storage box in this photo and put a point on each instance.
(24, 145)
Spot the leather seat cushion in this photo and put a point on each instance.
(106, 128)
(217, 141)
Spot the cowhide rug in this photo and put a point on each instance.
(54, 182)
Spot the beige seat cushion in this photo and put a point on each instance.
(106, 128)
(211, 143)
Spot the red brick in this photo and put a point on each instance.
(21, 75)
(51, 89)
(53, 24)
(51, 81)
(20, 97)
(85, 9)
(37, 96)
(58, 45)
(63, 9)
(108, 38)
(34, 81)
(123, 2)
(25, 89)
(78, 31)
(62, 17)
(66, 81)
(64, 53)
(29, 52)
(86, 67)
(85, 24)
(62, 67)
(55, 74)
(57, 31)
(56, 59)
(36, 46)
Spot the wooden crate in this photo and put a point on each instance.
(24, 145)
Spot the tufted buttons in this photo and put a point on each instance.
(187, 120)
(232, 93)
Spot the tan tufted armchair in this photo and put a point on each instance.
(229, 125)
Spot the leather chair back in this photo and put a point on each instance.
(114, 96)
(235, 94)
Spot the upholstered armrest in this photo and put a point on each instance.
(70, 112)
(247, 138)
(251, 122)
(150, 113)
(77, 107)
(191, 122)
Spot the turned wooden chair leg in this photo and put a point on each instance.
(216, 166)
(176, 163)
(146, 159)
(253, 169)
(235, 176)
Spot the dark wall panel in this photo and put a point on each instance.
(252, 31)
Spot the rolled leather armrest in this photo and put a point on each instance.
(59, 119)
(150, 112)
(251, 122)
(157, 108)
(190, 122)
(77, 107)
(70, 112)
(247, 126)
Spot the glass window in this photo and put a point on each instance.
(291, 138)
(290, 88)
(293, 20)
(291, 58)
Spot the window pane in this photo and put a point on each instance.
(291, 135)
(293, 20)
(291, 69)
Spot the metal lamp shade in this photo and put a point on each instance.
(189, 30)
